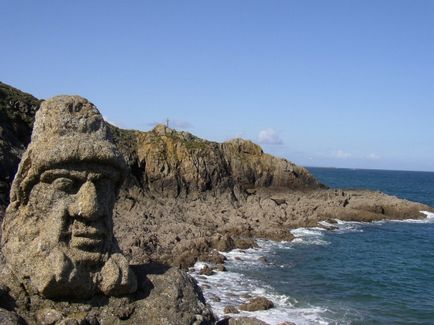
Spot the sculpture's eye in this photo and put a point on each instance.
(64, 184)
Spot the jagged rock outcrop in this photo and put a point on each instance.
(251, 168)
(17, 111)
(169, 163)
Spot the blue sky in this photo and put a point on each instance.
(322, 83)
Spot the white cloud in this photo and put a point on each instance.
(342, 154)
(174, 124)
(269, 136)
(373, 156)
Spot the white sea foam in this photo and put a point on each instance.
(429, 218)
(233, 289)
(309, 236)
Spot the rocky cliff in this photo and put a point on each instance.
(17, 112)
(169, 163)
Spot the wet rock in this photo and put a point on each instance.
(206, 270)
(220, 267)
(263, 260)
(245, 243)
(215, 299)
(327, 226)
(222, 243)
(241, 321)
(214, 257)
(185, 259)
(258, 303)
(231, 310)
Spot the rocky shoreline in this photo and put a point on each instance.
(232, 298)
(197, 227)
(184, 199)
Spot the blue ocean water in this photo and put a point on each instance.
(410, 185)
(378, 273)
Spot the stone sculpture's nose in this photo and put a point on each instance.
(87, 204)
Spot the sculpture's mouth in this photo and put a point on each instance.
(87, 241)
(88, 238)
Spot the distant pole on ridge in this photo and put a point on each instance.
(167, 122)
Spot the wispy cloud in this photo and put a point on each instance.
(269, 136)
(174, 124)
(373, 156)
(341, 154)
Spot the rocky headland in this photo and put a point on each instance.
(183, 199)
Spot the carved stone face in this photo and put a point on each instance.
(81, 197)
(58, 232)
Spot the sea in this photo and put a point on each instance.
(361, 273)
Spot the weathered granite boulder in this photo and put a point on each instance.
(231, 310)
(58, 232)
(9, 318)
(257, 303)
(241, 321)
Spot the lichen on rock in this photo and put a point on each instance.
(58, 228)
(62, 262)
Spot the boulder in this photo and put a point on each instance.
(245, 243)
(9, 318)
(258, 303)
(263, 260)
(206, 270)
(213, 257)
(231, 310)
(241, 321)
(48, 316)
(58, 231)
(174, 298)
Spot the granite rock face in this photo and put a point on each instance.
(17, 112)
(168, 163)
(58, 229)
